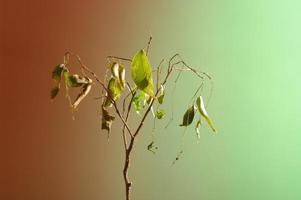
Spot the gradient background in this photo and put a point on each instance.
(253, 50)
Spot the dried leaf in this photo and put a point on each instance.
(107, 120)
(85, 91)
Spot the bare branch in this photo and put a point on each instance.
(120, 58)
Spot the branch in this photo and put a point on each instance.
(84, 67)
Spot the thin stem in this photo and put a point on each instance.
(120, 58)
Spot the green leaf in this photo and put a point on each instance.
(201, 107)
(114, 90)
(188, 116)
(56, 77)
(107, 120)
(142, 73)
(160, 113)
(85, 91)
(137, 104)
(161, 98)
(57, 73)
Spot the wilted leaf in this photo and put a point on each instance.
(54, 91)
(142, 73)
(161, 96)
(118, 72)
(85, 90)
(114, 90)
(197, 129)
(56, 77)
(57, 73)
(121, 74)
(202, 110)
(107, 120)
(188, 116)
(75, 80)
(151, 147)
(160, 113)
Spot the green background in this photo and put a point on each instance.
(251, 48)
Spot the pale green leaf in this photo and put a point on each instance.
(114, 90)
(137, 104)
(201, 108)
(197, 129)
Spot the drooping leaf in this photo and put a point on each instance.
(57, 73)
(114, 91)
(121, 74)
(161, 96)
(118, 72)
(142, 73)
(160, 113)
(56, 77)
(85, 91)
(115, 69)
(151, 147)
(188, 116)
(106, 121)
(197, 129)
(75, 80)
(54, 91)
(201, 108)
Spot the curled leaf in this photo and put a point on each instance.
(188, 116)
(160, 113)
(106, 121)
(75, 80)
(118, 72)
(85, 91)
(202, 110)
(142, 72)
(114, 90)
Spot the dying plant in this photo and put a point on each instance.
(123, 95)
